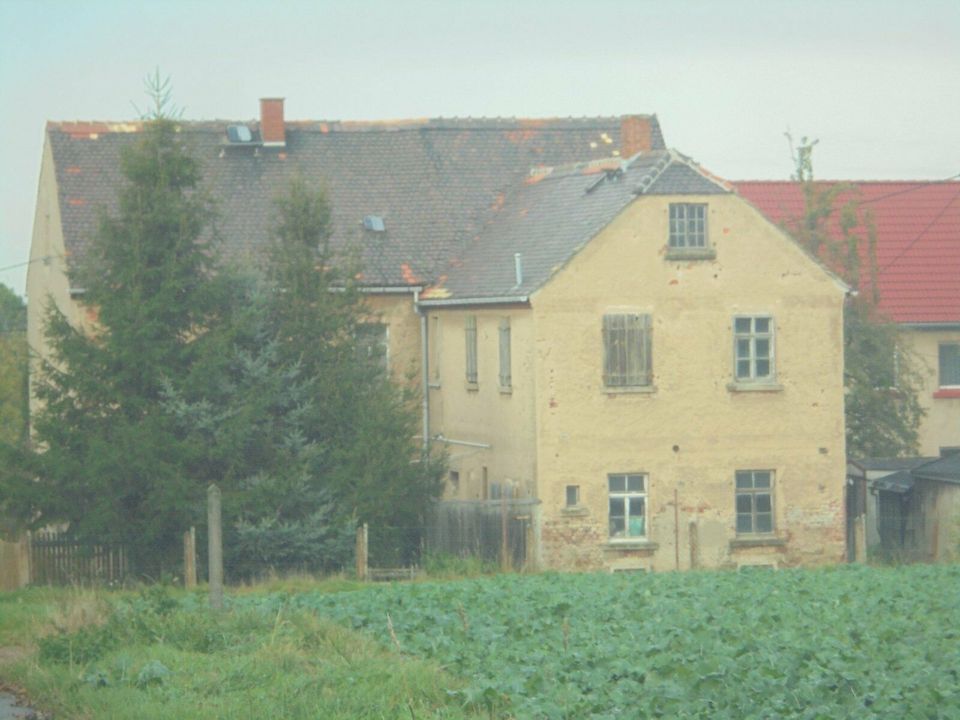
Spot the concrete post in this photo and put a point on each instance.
(215, 547)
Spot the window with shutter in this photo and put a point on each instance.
(627, 350)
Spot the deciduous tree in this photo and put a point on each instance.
(881, 374)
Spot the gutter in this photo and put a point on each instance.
(501, 300)
(424, 370)
(931, 325)
(392, 289)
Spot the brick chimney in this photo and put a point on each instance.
(636, 135)
(272, 130)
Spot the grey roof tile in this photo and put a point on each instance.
(433, 181)
(550, 218)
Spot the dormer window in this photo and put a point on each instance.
(688, 236)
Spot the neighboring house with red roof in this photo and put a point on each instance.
(918, 278)
(600, 326)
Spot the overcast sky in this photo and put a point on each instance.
(878, 83)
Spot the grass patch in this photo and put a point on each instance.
(162, 654)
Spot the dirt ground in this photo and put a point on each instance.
(11, 707)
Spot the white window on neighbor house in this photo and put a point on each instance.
(688, 226)
(753, 348)
(627, 356)
(470, 334)
(628, 506)
(506, 380)
(754, 502)
(373, 344)
(949, 375)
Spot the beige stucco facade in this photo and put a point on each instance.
(940, 427)
(688, 432)
(47, 273)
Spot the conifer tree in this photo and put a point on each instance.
(111, 463)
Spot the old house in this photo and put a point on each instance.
(597, 323)
(917, 230)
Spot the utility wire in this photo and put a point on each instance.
(45, 258)
(916, 185)
(915, 240)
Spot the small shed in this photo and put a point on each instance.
(910, 507)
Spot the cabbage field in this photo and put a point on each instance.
(848, 642)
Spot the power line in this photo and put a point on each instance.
(45, 258)
(915, 185)
(915, 240)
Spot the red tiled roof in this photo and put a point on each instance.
(918, 239)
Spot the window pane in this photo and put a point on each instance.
(744, 523)
(617, 527)
(763, 348)
(618, 507)
(636, 527)
(762, 325)
(573, 495)
(949, 364)
(744, 479)
(763, 368)
(742, 325)
(764, 522)
(743, 348)
(761, 479)
(636, 507)
(762, 503)
(635, 483)
(743, 368)
(618, 483)
(744, 503)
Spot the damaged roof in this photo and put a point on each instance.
(551, 217)
(432, 182)
(917, 239)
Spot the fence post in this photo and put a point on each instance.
(694, 545)
(190, 558)
(215, 547)
(362, 551)
(504, 536)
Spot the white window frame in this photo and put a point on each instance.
(506, 377)
(470, 338)
(368, 342)
(628, 488)
(940, 365)
(688, 227)
(752, 337)
(746, 488)
(627, 350)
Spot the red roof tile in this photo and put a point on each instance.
(918, 239)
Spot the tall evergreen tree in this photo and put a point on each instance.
(306, 430)
(881, 375)
(13, 367)
(111, 461)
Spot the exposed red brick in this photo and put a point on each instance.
(272, 128)
(636, 135)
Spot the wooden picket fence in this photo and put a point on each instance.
(56, 559)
